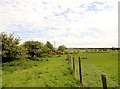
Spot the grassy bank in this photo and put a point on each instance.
(48, 72)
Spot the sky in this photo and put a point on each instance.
(73, 23)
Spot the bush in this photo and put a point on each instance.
(34, 58)
(11, 50)
(34, 48)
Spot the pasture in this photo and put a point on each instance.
(54, 71)
(45, 72)
(95, 64)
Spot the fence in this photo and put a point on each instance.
(71, 62)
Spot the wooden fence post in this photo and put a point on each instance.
(80, 71)
(74, 68)
(70, 61)
(104, 81)
(68, 58)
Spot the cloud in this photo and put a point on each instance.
(75, 23)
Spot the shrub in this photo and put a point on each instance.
(35, 58)
(34, 48)
(11, 50)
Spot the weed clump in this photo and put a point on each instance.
(68, 68)
(11, 64)
(65, 73)
(71, 71)
(59, 56)
(40, 73)
(34, 58)
(35, 65)
(47, 60)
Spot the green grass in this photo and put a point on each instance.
(27, 73)
(97, 64)
(54, 71)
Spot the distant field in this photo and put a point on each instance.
(54, 71)
(95, 64)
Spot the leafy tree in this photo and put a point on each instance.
(61, 48)
(10, 48)
(50, 46)
(45, 49)
(34, 48)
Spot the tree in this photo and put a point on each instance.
(34, 48)
(45, 49)
(50, 46)
(61, 48)
(10, 48)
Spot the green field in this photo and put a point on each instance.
(95, 64)
(54, 71)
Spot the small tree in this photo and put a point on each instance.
(10, 48)
(45, 49)
(61, 48)
(50, 46)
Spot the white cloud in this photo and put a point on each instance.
(63, 21)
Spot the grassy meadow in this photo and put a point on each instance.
(95, 64)
(54, 71)
(48, 72)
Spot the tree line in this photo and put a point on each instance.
(13, 50)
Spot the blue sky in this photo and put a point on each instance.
(74, 23)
